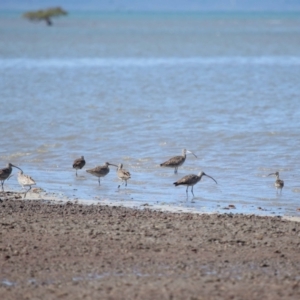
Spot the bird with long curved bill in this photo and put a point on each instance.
(177, 161)
(191, 180)
(279, 184)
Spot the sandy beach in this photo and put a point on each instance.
(74, 251)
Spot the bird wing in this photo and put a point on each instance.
(279, 182)
(188, 179)
(30, 179)
(124, 174)
(103, 170)
(79, 162)
(174, 161)
(100, 170)
(26, 180)
(94, 170)
(4, 173)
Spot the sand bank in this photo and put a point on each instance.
(75, 251)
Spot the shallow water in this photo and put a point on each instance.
(137, 88)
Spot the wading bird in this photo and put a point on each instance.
(123, 174)
(101, 171)
(191, 180)
(25, 180)
(279, 184)
(5, 173)
(78, 163)
(177, 161)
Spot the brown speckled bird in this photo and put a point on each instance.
(191, 180)
(123, 174)
(279, 184)
(25, 180)
(101, 171)
(79, 163)
(176, 161)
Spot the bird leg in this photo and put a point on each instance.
(121, 183)
(99, 180)
(175, 171)
(27, 192)
(76, 172)
(193, 191)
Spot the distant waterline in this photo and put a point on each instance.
(145, 62)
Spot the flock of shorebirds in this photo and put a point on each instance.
(124, 175)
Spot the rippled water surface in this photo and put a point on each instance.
(137, 88)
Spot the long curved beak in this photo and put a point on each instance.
(17, 167)
(271, 174)
(113, 165)
(211, 178)
(188, 151)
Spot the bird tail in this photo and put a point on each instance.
(175, 183)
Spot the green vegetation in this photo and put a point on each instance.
(45, 14)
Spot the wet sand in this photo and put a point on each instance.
(73, 251)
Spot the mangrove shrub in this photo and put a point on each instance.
(45, 14)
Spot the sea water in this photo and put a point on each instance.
(137, 88)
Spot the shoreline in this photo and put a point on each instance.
(134, 204)
(72, 251)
